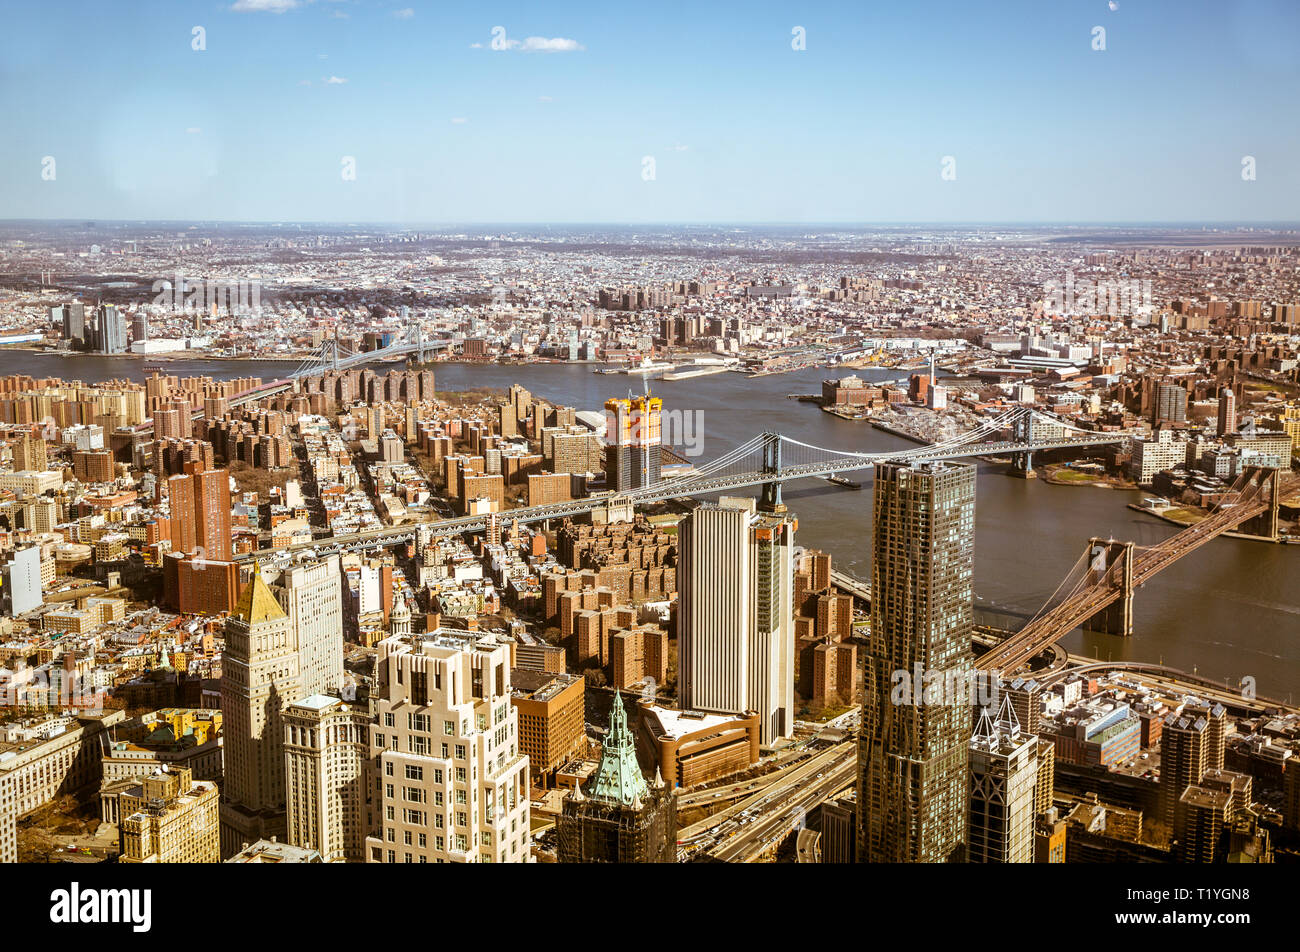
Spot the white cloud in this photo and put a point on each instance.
(304, 82)
(339, 15)
(545, 99)
(535, 44)
(334, 81)
(459, 121)
(559, 44)
(193, 130)
(264, 6)
(404, 14)
(680, 148)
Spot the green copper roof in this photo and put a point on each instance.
(618, 779)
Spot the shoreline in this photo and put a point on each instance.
(1184, 525)
(1050, 477)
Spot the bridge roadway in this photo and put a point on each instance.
(395, 349)
(320, 365)
(683, 486)
(855, 587)
(1084, 603)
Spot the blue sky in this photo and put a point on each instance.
(741, 127)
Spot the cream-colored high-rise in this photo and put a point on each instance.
(326, 745)
(450, 784)
(735, 614)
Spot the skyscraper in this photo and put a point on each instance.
(1003, 777)
(713, 598)
(326, 747)
(259, 676)
(633, 439)
(619, 818)
(1171, 403)
(74, 322)
(312, 595)
(1227, 411)
(735, 614)
(200, 508)
(30, 453)
(913, 784)
(450, 783)
(21, 590)
(110, 330)
(212, 513)
(1192, 742)
(772, 653)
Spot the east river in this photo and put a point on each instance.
(1229, 610)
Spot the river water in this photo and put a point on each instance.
(1228, 610)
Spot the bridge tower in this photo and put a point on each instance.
(1263, 526)
(1108, 557)
(329, 349)
(771, 498)
(1022, 431)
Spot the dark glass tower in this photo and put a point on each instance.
(913, 786)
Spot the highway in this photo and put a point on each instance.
(742, 831)
(785, 809)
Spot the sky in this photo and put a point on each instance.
(907, 111)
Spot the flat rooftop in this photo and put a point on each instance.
(675, 725)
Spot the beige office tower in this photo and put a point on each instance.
(450, 783)
(326, 746)
(1003, 778)
(259, 676)
(735, 616)
(913, 779)
(713, 595)
(312, 595)
(170, 818)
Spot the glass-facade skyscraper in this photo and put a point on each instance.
(913, 781)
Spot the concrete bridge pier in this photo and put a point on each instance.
(1107, 557)
(1022, 465)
